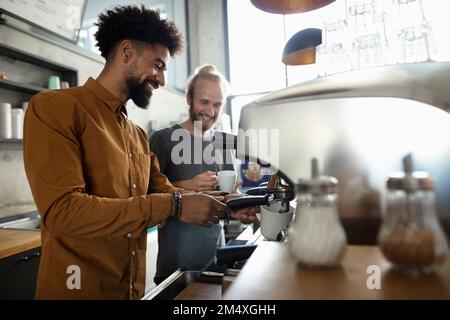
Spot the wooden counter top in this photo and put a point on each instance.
(201, 291)
(270, 273)
(13, 241)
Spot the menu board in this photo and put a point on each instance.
(62, 17)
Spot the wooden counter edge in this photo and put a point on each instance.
(14, 241)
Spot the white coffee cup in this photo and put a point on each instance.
(273, 222)
(227, 180)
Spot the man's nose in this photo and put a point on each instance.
(209, 110)
(161, 78)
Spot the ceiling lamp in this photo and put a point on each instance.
(301, 47)
(289, 6)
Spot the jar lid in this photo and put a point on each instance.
(317, 184)
(418, 180)
(322, 184)
(409, 180)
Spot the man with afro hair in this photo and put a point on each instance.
(95, 182)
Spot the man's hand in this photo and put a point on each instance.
(237, 185)
(246, 215)
(202, 210)
(205, 181)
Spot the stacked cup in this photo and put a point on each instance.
(5, 120)
(17, 123)
(11, 121)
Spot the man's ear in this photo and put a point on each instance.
(189, 100)
(126, 51)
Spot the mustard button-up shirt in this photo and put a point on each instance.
(98, 189)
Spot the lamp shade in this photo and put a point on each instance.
(289, 6)
(301, 47)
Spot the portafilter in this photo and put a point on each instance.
(276, 190)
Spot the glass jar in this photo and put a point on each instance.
(316, 236)
(411, 237)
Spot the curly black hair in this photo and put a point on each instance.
(134, 23)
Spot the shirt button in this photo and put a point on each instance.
(131, 156)
(134, 186)
(133, 253)
(129, 235)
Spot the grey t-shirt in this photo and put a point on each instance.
(182, 156)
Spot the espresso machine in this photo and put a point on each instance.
(359, 124)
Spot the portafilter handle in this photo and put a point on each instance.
(246, 202)
(258, 191)
(265, 194)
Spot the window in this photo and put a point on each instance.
(256, 41)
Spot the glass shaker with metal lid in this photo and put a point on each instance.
(316, 236)
(411, 237)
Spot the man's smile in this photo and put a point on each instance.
(150, 86)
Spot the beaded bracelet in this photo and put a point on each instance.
(177, 210)
(180, 208)
(174, 211)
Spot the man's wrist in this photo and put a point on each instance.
(176, 208)
(215, 193)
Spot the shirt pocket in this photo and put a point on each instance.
(142, 170)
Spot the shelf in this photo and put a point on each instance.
(17, 86)
(11, 140)
(67, 73)
(21, 55)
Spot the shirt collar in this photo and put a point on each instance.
(210, 137)
(103, 94)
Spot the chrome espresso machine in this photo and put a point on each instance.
(359, 125)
